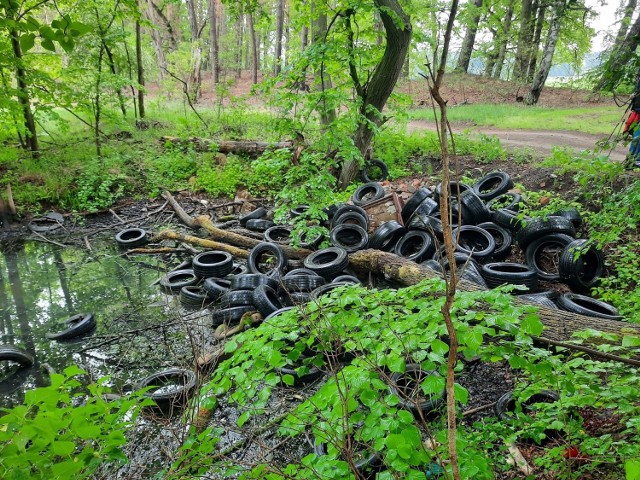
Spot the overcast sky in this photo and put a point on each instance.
(604, 21)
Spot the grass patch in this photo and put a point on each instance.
(595, 120)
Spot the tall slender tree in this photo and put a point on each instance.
(470, 37)
(525, 37)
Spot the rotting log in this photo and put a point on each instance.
(559, 325)
(202, 242)
(245, 147)
(224, 236)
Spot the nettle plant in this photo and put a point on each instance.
(360, 338)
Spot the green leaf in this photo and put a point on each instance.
(632, 470)
(532, 325)
(439, 347)
(27, 41)
(460, 393)
(77, 28)
(47, 32)
(628, 341)
(242, 419)
(288, 379)
(63, 448)
(67, 44)
(48, 45)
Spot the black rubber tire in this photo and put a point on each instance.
(367, 467)
(328, 262)
(311, 244)
(15, 354)
(367, 193)
(501, 273)
(537, 299)
(266, 300)
(302, 283)
(230, 316)
(386, 236)
(571, 214)
(507, 201)
(323, 290)
(433, 264)
(272, 249)
(415, 245)
(194, 297)
(590, 307)
(466, 267)
(507, 219)
(430, 224)
(132, 237)
(250, 281)
(416, 199)
(474, 241)
(79, 325)
(215, 288)
(237, 298)
(258, 213)
(405, 384)
(453, 186)
(506, 403)
(427, 207)
(347, 279)
(277, 313)
(537, 249)
(492, 185)
(367, 171)
(258, 225)
(472, 209)
(168, 399)
(298, 211)
(296, 298)
(46, 223)
(539, 227)
(173, 282)
(581, 265)
(502, 238)
(299, 271)
(214, 263)
(280, 234)
(238, 269)
(349, 237)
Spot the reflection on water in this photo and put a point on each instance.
(42, 285)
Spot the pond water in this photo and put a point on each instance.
(139, 329)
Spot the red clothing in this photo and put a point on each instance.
(632, 121)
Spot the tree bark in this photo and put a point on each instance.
(625, 22)
(140, 70)
(254, 49)
(620, 57)
(469, 39)
(533, 59)
(547, 55)
(24, 97)
(504, 40)
(559, 325)
(279, 33)
(375, 93)
(166, 22)
(213, 33)
(238, 52)
(322, 80)
(524, 42)
(304, 38)
(195, 77)
(244, 147)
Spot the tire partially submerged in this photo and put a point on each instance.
(173, 387)
(79, 325)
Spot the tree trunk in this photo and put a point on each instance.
(114, 72)
(140, 71)
(213, 33)
(469, 39)
(533, 59)
(238, 52)
(524, 42)
(375, 93)
(304, 38)
(559, 325)
(243, 147)
(504, 40)
(279, 33)
(625, 22)
(619, 58)
(254, 49)
(322, 80)
(195, 78)
(167, 24)
(547, 55)
(24, 98)
(492, 54)
(287, 33)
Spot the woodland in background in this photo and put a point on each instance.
(322, 64)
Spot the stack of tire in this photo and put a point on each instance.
(489, 226)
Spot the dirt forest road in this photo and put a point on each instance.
(539, 140)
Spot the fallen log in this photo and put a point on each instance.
(559, 325)
(245, 147)
(201, 242)
(224, 236)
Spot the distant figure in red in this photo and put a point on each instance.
(632, 129)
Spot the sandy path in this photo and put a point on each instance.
(540, 140)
